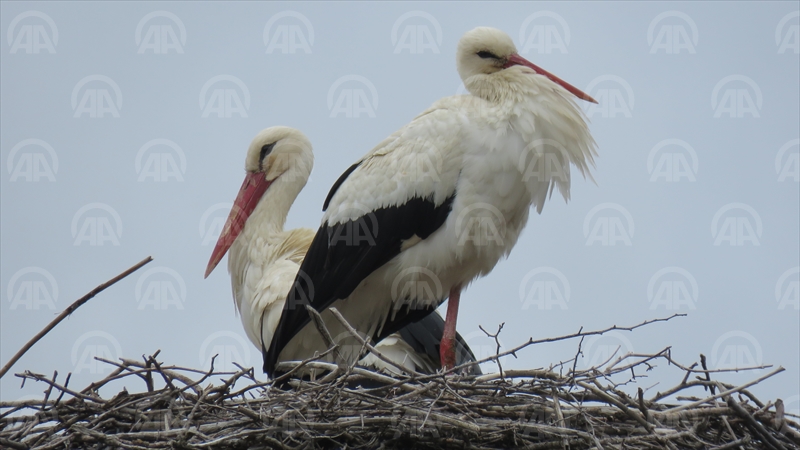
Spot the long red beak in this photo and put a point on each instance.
(516, 60)
(250, 193)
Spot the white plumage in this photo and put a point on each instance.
(467, 169)
(264, 258)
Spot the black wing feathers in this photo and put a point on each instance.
(344, 254)
(425, 336)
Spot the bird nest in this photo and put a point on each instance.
(351, 407)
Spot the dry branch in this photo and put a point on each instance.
(356, 408)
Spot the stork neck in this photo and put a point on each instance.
(269, 216)
(506, 86)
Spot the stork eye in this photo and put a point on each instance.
(486, 55)
(266, 150)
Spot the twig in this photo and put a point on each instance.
(70, 309)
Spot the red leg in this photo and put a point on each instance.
(447, 348)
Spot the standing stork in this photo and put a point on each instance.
(264, 258)
(442, 199)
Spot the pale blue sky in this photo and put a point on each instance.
(572, 267)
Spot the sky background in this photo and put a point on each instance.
(125, 126)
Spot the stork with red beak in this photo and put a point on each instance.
(440, 201)
(264, 258)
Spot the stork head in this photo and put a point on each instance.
(487, 51)
(276, 155)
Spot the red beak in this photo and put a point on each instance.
(516, 60)
(250, 193)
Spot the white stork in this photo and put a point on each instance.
(444, 197)
(264, 258)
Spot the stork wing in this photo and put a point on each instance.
(400, 192)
